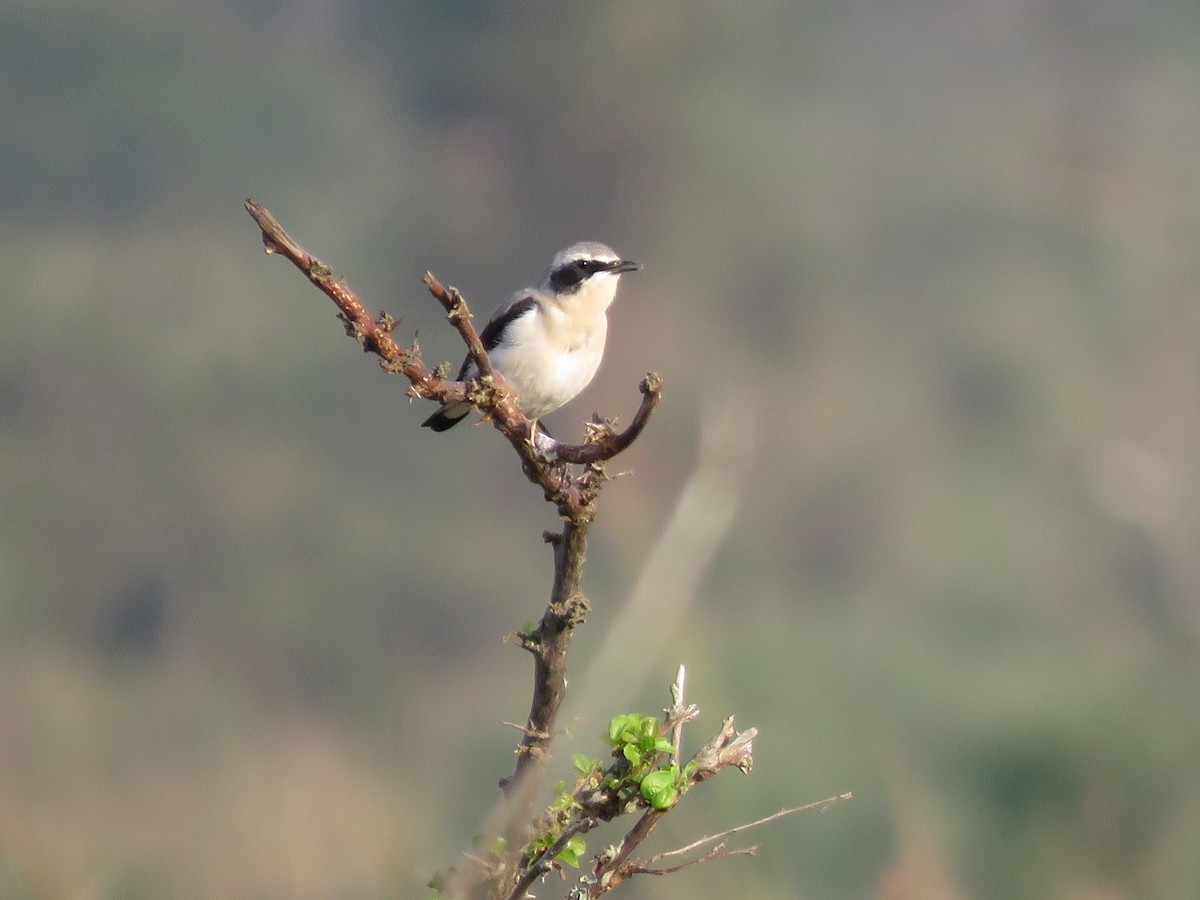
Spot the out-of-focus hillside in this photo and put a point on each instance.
(941, 257)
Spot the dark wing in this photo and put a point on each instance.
(493, 333)
(492, 336)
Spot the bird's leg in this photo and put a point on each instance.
(541, 441)
(547, 448)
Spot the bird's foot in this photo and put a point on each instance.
(543, 445)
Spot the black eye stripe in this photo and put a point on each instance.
(575, 272)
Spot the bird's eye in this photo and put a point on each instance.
(585, 266)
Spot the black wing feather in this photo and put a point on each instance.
(492, 336)
(493, 332)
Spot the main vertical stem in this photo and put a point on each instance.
(566, 610)
(549, 643)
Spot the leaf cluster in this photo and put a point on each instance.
(638, 741)
(642, 775)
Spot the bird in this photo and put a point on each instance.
(547, 340)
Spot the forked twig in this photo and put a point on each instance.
(818, 806)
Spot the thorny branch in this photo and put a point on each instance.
(573, 495)
(545, 462)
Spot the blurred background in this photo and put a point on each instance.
(930, 268)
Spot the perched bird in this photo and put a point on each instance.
(548, 339)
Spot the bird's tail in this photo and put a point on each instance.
(447, 417)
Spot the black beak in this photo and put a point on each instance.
(625, 265)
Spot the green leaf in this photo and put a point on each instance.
(576, 847)
(583, 763)
(648, 728)
(617, 728)
(633, 754)
(629, 728)
(658, 788)
(489, 843)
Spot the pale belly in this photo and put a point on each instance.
(542, 383)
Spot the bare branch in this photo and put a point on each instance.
(728, 748)
(717, 852)
(460, 317)
(550, 643)
(618, 868)
(607, 443)
(374, 335)
(675, 715)
(611, 872)
(818, 807)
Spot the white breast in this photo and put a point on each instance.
(546, 376)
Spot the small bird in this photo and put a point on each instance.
(548, 339)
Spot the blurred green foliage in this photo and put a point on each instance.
(942, 255)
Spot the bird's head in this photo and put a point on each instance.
(587, 267)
